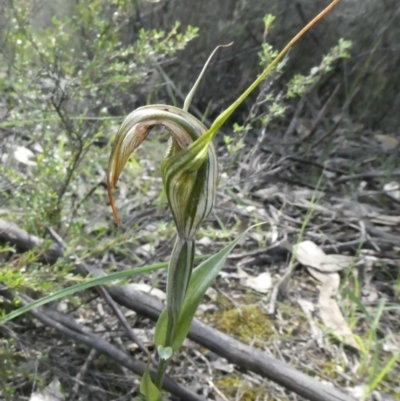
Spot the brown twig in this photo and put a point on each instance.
(322, 113)
(82, 371)
(367, 175)
(280, 287)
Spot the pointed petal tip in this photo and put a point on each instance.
(111, 185)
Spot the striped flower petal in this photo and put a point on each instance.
(189, 172)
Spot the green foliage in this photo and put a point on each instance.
(249, 323)
(267, 54)
(190, 155)
(148, 388)
(271, 105)
(79, 75)
(59, 82)
(300, 84)
(8, 360)
(234, 386)
(372, 362)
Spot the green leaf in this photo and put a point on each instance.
(164, 352)
(80, 287)
(148, 388)
(202, 278)
(160, 333)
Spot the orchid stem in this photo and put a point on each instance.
(179, 273)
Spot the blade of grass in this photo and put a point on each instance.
(80, 287)
(375, 382)
(357, 301)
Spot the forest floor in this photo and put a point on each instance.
(317, 286)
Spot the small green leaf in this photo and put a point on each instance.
(164, 352)
(148, 388)
(161, 329)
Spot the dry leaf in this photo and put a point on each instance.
(390, 345)
(145, 336)
(330, 312)
(267, 193)
(51, 393)
(148, 289)
(261, 283)
(392, 189)
(212, 293)
(24, 156)
(384, 219)
(387, 142)
(335, 263)
(223, 365)
(205, 241)
(358, 392)
(305, 194)
(310, 254)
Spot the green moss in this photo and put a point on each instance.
(235, 387)
(247, 323)
(329, 369)
(223, 302)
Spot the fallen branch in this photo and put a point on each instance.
(14, 235)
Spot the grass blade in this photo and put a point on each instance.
(80, 287)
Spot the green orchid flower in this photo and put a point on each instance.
(189, 172)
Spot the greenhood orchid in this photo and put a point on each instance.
(189, 173)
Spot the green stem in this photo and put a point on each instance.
(161, 370)
(179, 273)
